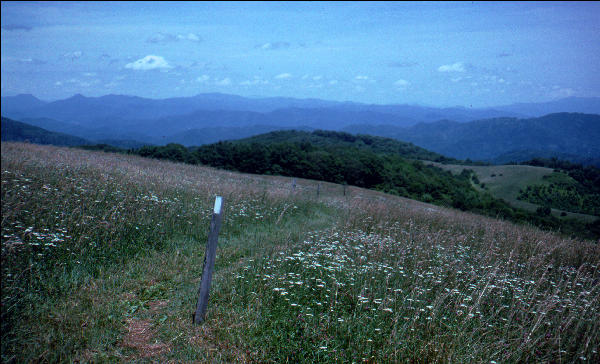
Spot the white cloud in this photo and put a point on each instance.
(162, 37)
(203, 78)
(317, 78)
(190, 36)
(273, 45)
(73, 55)
(333, 82)
(402, 83)
(561, 92)
(255, 81)
(224, 82)
(363, 78)
(22, 60)
(77, 82)
(456, 67)
(167, 38)
(282, 76)
(149, 62)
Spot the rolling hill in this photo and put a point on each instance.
(494, 134)
(376, 163)
(17, 131)
(102, 257)
(560, 134)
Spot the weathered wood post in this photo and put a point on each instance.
(318, 189)
(294, 185)
(345, 184)
(209, 262)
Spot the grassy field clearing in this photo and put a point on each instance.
(505, 181)
(102, 256)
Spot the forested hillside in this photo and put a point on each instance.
(363, 161)
(566, 135)
(17, 131)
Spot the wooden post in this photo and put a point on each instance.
(294, 185)
(318, 189)
(209, 262)
(345, 184)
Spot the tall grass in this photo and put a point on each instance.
(401, 286)
(101, 259)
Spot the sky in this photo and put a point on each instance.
(471, 54)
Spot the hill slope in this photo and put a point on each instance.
(17, 131)
(332, 139)
(102, 255)
(363, 161)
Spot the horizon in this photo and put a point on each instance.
(297, 98)
(470, 55)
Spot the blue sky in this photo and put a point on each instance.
(440, 54)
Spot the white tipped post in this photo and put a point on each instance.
(209, 262)
(218, 202)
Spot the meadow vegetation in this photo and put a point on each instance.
(102, 256)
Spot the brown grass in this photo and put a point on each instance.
(141, 337)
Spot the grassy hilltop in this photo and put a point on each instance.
(102, 257)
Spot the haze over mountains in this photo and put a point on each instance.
(493, 134)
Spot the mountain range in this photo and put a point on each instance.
(571, 136)
(498, 134)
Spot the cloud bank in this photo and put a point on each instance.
(456, 67)
(169, 38)
(149, 62)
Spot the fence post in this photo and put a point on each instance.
(318, 189)
(209, 262)
(294, 185)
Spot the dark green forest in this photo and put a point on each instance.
(364, 161)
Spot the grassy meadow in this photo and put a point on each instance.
(505, 182)
(102, 258)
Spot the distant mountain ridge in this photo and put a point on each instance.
(559, 134)
(78, 107)
(492, 134)
(81, 109)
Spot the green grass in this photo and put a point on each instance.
(299, 278)
(505, 182)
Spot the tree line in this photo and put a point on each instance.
(343, 158)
